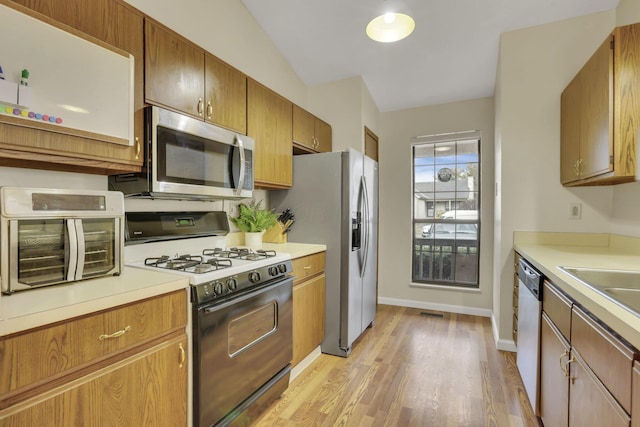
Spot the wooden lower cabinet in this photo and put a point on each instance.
(554, 383)
(125, 366)
(586, 371)
(635, 401)
(308, 305)
(308, 317)
(149, 389)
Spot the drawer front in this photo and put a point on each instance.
(307, 266)
(31, 358)
(610, 359)
(558, 308)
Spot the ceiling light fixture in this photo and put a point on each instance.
(390, 27)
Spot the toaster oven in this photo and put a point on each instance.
(51, 237)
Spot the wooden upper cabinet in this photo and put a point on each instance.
(174, 70)
(182, 76)
(310, 134)
(117, 24)
(226, 95)
(269, 123)
(600, 114)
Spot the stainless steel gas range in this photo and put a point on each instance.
(241, 302)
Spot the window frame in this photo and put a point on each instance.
(416, 254)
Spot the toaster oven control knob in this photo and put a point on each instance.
(217, 288)
(282, 268)
(232, 284)
(254, 277)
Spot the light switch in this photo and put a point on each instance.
(575, 210)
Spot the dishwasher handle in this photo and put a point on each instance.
(531, 278)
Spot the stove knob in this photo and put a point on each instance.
(232, 284)
(217, 288)
(254, 277)
(273, 271)
(282, 268)
(206, 289)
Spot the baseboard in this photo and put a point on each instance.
(304, 363)
(501, 344)
(482, 312)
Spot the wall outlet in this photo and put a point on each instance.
(575, 210)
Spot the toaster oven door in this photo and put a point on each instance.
(52, 251)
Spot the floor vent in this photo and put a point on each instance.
(432, 313)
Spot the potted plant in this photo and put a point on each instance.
(253, 220)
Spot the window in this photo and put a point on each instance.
(446, 209)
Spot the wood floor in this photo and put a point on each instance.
(410, 369)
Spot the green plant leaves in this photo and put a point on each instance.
(253, 217)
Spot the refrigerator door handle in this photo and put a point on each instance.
(365, 220)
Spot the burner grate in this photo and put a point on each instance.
(240, 253)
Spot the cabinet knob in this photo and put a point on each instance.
(209, 110)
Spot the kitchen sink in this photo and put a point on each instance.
(620, 286)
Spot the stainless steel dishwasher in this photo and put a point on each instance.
(529, 311)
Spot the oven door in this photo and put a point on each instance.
(239, 346)
(198, 158)
(52, 251)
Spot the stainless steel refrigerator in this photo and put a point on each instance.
(335, 202)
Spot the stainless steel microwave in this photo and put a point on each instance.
(51, 237)
(187, 158)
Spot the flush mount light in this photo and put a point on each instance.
(390, 27)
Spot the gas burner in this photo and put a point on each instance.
(221, 253)
(179, 262)
(240, 253)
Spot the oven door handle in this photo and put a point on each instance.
(213, 308)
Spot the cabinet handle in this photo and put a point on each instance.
(137, 148)
(308, 267)
(200, 104)
(183, 356)
(209, 110)
(115, 334)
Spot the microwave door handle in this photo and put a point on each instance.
(241, 177)
(72, 249)
(81, 249)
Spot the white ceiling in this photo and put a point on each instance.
(451, 56)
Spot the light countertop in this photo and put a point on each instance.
(41, 306)
(296, 250)
(547, 251)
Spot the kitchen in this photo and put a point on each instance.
(520, 126)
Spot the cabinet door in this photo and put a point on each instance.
(554, 383)
(590, 404)
(269, 122)
(596, 122)
(226, 95)
(120, 25)
(323, 136)
(303, 128)
(570, 102)
(308, 317)
(147, 389)
(174, 70)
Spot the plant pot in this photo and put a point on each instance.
(253, 240)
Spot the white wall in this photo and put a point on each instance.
(535, 66)
(397, 129)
